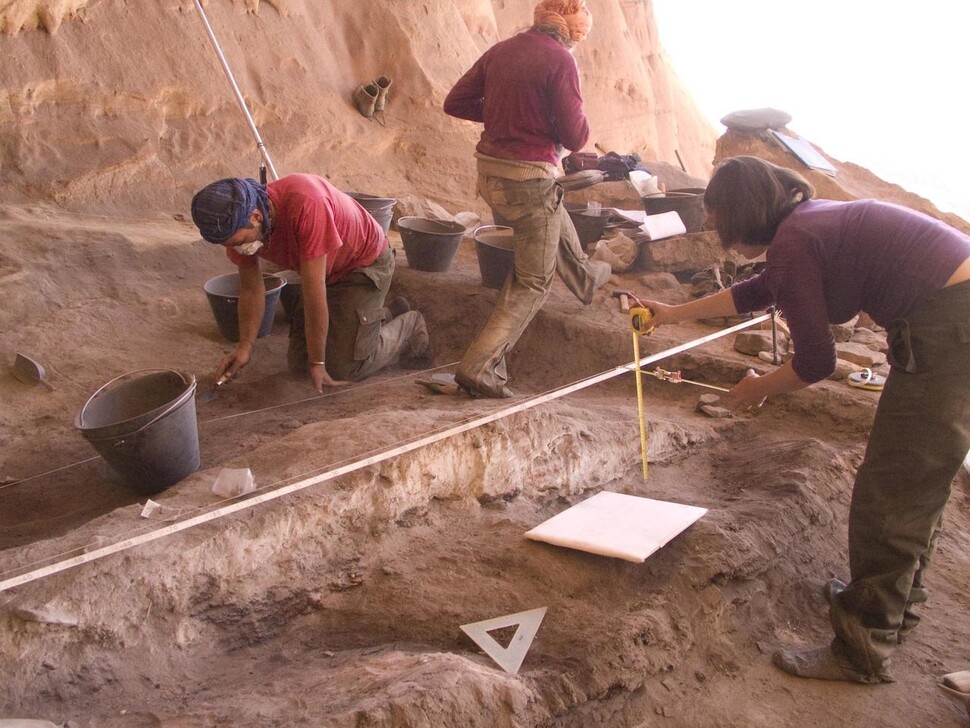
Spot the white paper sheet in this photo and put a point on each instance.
(664, 225)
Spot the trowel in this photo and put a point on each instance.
(213, 391)
(28, 371)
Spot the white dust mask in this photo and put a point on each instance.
(248, 248)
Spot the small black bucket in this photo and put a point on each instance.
(589, 224)
(688, 203)
(223, 294)
(496, 257)
(430, 245)
(380, 208)
(145, 427)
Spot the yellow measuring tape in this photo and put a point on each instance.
(640, 322)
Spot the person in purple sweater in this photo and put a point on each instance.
(525, 90)
(825, 262)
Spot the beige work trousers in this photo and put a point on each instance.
(544, 243)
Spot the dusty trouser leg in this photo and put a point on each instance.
(581, 275)
(918, 594)
(357, 343)
(919, 439)
(531, 207)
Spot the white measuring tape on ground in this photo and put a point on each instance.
(125, 544)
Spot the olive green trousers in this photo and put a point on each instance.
(919, 439)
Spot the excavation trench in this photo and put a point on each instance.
(341, 604)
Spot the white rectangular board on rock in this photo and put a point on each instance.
(617, 525)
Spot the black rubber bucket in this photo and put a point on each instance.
(143, 424)
(430, 245)
(223, 294)
(688, 203)
(380, 208)
(589, 224)
(496, 257)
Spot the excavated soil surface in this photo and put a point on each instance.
(340, 604)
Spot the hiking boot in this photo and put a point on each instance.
(478, 392)
(365, 99)
(395, 307)
(824, 663)
(832, 588)
(601, 272)
(416, 352)
(383, 83)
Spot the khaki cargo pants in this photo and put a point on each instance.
(359, 343)
(544, 243)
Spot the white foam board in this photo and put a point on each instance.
(617, 525)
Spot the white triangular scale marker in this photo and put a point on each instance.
(508, 658)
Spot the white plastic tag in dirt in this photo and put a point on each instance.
(617, 525)
(232, 482)
(508, 658)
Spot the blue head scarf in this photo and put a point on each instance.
(223, 207)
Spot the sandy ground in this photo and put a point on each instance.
(339, 605)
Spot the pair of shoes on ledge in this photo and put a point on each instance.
(369, 98)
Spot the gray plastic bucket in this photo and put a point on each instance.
(430, 245)
(143, 424)
(496, 257)
(380, 208)
(223, 294)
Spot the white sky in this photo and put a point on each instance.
(884, 84)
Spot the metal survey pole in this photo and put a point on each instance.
(235, 89)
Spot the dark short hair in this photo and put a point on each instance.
(747, 198)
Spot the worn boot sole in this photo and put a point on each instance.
(821, 663)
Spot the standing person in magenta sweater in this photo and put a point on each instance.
(826, 262)
(526, 92)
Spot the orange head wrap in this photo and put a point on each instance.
(571, 19)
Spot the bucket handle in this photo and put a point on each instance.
(177, 402)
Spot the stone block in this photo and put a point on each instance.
(752, 342)
(859, 354)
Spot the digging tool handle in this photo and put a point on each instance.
(264, 153)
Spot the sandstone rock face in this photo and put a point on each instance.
(119, 107)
